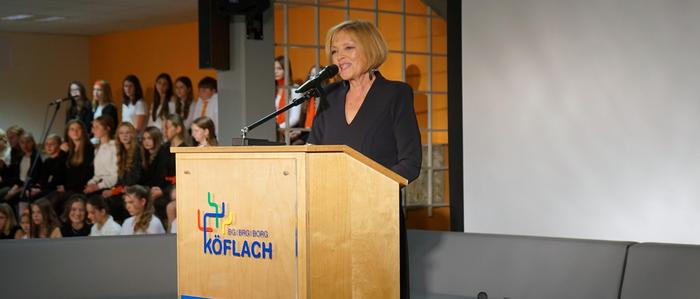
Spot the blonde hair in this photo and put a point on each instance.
(369, 39)
(10, 223)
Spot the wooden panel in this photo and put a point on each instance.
(353, 229)
(257, 192)
(296, 149)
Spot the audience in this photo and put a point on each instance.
(79, 164)
(8, 224)
(44, 220)
(74, 219)
(80, 107)
(204, 132)
(128, 169)
(140, 207)
(102, 223)
(102, 103)
(153, 160)
(133, 108)
(105, 163)
(164, 102)
(22, 171)
(208, 102)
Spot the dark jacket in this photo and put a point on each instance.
(84, 115)
(53, 172)
(77, 176)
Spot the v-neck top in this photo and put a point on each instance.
(385, 128)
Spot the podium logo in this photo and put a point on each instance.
(226, 240)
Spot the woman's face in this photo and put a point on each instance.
(37, 218)
(74, 90)
(348, 56)
(51, 146)
(171, 130)
(124, 135)
(181, 90)
(27, 145)
(97, 92)
(75, 132)
(24, 223)
(147, 142)
(95, 215)
(77, 212)
(129, 89)
(279, 71)
(134, 205)
(199, 134)
(162, 86)
(98, 130)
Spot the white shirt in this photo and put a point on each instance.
(129, 112)
(154, 227)
(109, 228)
(24, 165)
(98, 111)
(294, 114)
(212, 110)
(158, 123)
(173, 226)
(105, 165)
(7, 156)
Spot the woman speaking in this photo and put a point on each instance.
(367, 112)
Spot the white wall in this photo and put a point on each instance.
(582, 118)
(35, 69)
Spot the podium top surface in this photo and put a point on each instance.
(296, 149)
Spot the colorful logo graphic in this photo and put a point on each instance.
(225, 240)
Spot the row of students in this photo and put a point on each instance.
(168, 98)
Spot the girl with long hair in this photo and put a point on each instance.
(164, 102)
(103, 103)
(140, 207)
(105, 156)
(294, 114)
(204, 132)
(8, 225)
(45, 224)
(185, 99)
(153, 160)
(133, 107)
(128, 169)
(74, 217)
(80, 107)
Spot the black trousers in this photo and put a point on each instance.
(405, 287)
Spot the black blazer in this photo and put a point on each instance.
(385, 128)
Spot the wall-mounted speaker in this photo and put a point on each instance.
(213, 35)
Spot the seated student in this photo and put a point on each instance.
(53, 171)
(20, 170)
(175, 134)
(79, 164)
(204, 132)
(102, 223)
(44, 220)
(8, 224)
(24, 226)
(5, 162)
(74, 217)
(13, 134)
(171, 211)
(140, 207)
(128, 170)
(105, 163)
(208, 102)
(153, 160)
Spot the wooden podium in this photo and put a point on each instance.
(286, 222)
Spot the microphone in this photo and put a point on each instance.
(58, 101)
(326, 73)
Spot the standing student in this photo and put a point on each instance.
(140, 207)
(133, 108)
(105, 164)
(8, 225)
(103, 103)
(204, 132)
(102, 223)
(128, 169)
(369, 113)
(79, 107)
(74, 218)
(164, 102)
(185, 99)
(281, 98)
(208, 102)
(44, 220)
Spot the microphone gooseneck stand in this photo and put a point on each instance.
(32, 168)
(317, 91)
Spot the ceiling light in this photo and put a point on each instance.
(50, 19)
(16, 17)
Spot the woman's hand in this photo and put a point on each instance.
(65, 147)
(91, 188)
(107, 193)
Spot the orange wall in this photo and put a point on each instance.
(173, 49)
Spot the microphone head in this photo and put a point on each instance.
(329, 71)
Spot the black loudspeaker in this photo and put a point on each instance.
(213, 35)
